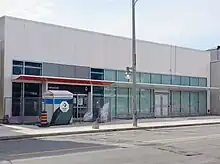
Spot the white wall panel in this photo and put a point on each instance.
(28, 40)
(153, 57)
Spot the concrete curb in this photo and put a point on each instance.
(29, 136)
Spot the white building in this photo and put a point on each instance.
(35, 57)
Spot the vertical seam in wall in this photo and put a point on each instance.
(175, 61)
(171, 60)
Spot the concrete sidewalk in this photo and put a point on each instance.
(20, 132)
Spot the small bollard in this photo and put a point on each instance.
(95, 125)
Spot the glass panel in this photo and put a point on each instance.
(202, 103)
(32, 71)
(109, 92)
(145, 102)
(110, 97)
(176, 80)
(166, 79)
(194, 103)
(145, 78)
(32, 64)
(122, 102)
(203, 82)
(185, 103)
(194, 81)
(32, 100)
(121, 76)
(96, 76)
(17, 70)
(138, 78)
(16, 99)
(17, 63)
(131, 102)
(175, 103)
(97, 70)
(110, 75)
(156, 78)
(185, 80)
(32, 90)
(98, 90)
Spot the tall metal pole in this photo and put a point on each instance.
(134, 65)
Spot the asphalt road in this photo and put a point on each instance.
(186, 145)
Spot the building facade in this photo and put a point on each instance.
(215, 80)
(35, 57)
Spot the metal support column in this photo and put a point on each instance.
(134, 100)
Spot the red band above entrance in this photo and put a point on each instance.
(62, 80)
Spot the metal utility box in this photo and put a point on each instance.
(59, 106)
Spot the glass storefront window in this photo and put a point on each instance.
(17, 70)
(110, 75)
(27, 68)
(166, 79)
(145, 78)
(110, 97)
(176, 80)
(122, 102)
(98, 90)
(194, 81)
(203, 82)
(145, 102)
(156, 78)
(185, 103)
(18, 63)
(96, 76)
(194, 103)
(17, 89)
(121, 76)
(33, 64)
(32, 71)
(131, 102)
(185, 80)
(175, 103)
(138, 77)
(32, 99)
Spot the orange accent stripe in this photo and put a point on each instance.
(44, 118)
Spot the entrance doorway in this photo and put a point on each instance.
(80, 106)
(161, 105)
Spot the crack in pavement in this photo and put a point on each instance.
(175, 150)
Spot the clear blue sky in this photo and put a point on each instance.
(189, 23)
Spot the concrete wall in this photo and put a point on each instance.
(215, 82)
(33, 41)
(2, 31)
(214, 54)
(1, 79)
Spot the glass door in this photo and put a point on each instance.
(164, 98)
(80, 106)
(157, 109)
(161, 105)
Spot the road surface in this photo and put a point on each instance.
(186, 145)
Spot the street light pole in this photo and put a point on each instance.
(134, 86)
